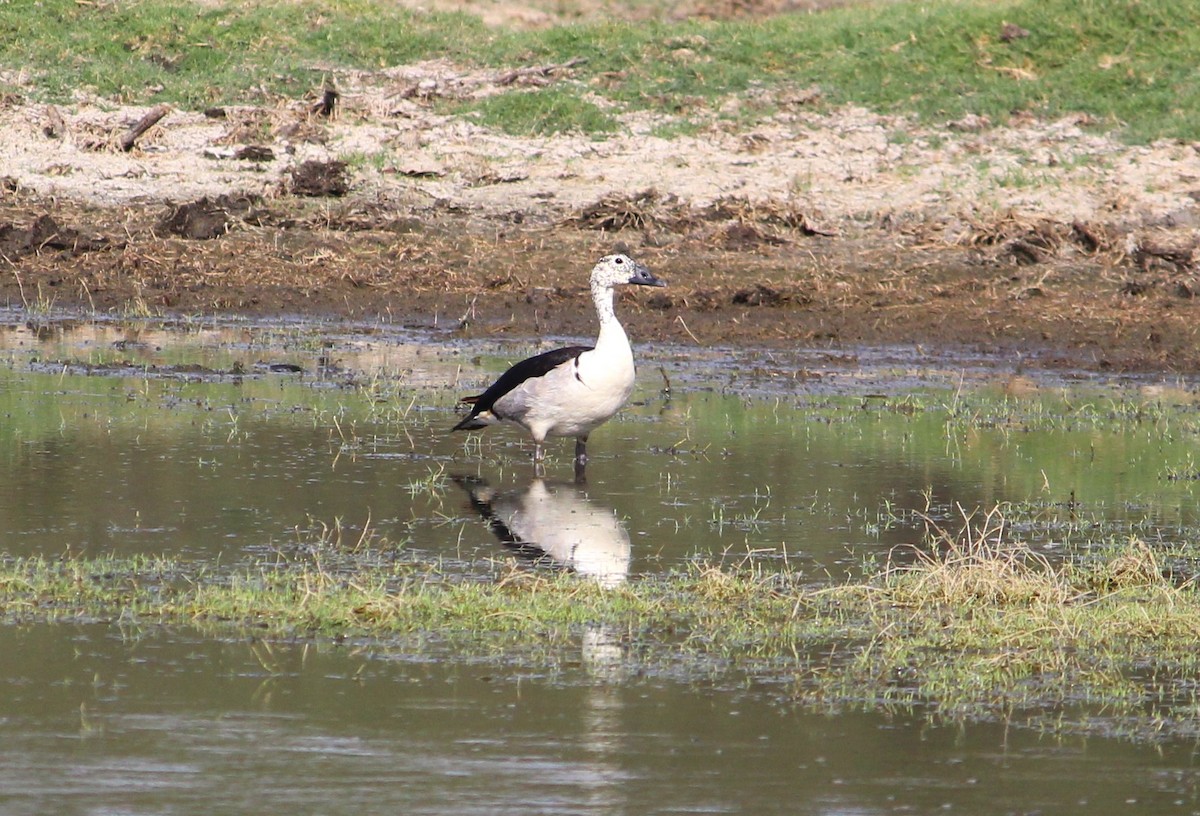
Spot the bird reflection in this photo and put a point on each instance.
(556, 522)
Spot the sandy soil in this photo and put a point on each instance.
(821, 228)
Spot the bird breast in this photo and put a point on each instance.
(603, 381)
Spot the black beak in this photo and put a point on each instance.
(642, 276)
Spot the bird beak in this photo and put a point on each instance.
(642, 276)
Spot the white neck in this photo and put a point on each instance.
(610, 328)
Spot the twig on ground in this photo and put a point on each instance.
(538, 71)
(145, 123)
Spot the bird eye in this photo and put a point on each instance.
(619, 260)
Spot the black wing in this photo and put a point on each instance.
(527, 369)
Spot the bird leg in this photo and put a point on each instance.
(580, 461)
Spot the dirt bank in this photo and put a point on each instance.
(830, 228)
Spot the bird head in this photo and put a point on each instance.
(619, 269)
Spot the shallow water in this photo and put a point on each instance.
(184, 441)
(188, 444)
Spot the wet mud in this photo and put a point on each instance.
(1044, 293)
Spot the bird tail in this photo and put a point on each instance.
(479, 417)
(470, 422)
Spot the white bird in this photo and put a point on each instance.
(569, 391)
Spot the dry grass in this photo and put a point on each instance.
(979, 564)
(977, 622)
(650, 210)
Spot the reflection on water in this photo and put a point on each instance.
(224, 467)
(555, 521)
(200, 347)
(124, 440)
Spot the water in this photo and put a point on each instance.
(96, 721)
(185, 442)
(153, 446)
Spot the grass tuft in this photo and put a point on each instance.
(542, 113)
(978, 565)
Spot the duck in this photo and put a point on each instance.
(569, 391)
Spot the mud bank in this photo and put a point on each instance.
(822, 230)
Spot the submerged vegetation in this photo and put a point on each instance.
(971, 625)
(1124, 64)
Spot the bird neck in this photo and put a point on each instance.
(610, 328)
(602, 297)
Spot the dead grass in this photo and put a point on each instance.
(977, 622)
(650, 210)
(982, 564)
(979, 564)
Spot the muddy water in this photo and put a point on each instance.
(186, 441)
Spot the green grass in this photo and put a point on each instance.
(196, 55)
(542, 113)
(1129, 64)
(972, 625)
